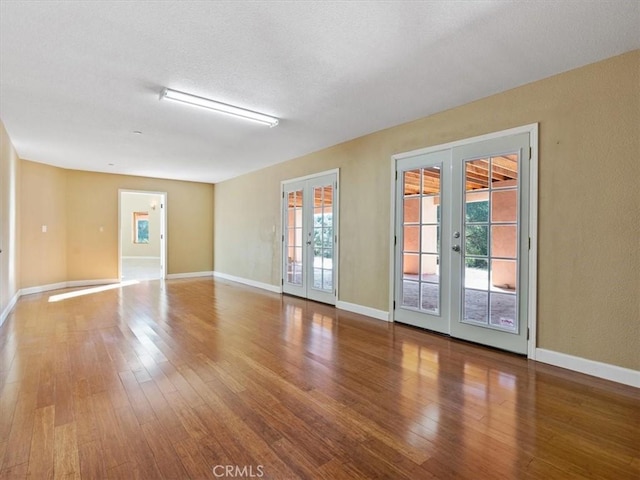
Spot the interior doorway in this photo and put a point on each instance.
(142, 237)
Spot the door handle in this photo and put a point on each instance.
(309, 242)
(456, 248)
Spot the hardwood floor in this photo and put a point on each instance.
(208, 379)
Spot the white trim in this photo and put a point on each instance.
(9, 307)
(43, 288)
(174, 276)
(532, 293)
(392, 241)
(309, 177)
(336, 232)
(532, 129)
(607, 371)
(142, 192)
(246, 281)
(362, 310)
(466, 141)
(91, 283)
(69, 284)
(141, 258)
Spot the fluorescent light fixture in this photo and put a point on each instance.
(182, 97)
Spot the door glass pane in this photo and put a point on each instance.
(476, 273)
(430, 296)
(491, 239)
(503, 310)
(323, 237)
(476, 306)
(477, 240)
(327, 279)
(477, 207)
(430, 239)
(476, 174)
(410, 267)
(503, 275)
(504, 241)
(429, 268)
(294, 238)
(421, 239)
(431, 181)
(411, 238)
(411, 210)
(431, 209)
(412, 182)
(504, 171)
(410, 294)
(505, 205)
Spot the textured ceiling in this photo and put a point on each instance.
(78, 78)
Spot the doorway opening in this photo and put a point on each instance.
(142, 237)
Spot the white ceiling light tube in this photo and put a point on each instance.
(182, 97)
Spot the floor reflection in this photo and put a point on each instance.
(278, 379)
(463, 401)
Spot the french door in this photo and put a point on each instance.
(462, 241)
(310, 237)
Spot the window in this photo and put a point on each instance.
(140, 227)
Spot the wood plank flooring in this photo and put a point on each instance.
(201, 378)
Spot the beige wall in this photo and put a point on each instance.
(43, 203)
(89, 210)
(588, 272)
(129, 204)
(92, 202)
(9, 221)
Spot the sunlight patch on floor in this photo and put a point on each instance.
(89, 291)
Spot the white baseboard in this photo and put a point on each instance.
(607, 371)
(362, 310)
(43, 288)
(251, 283)
(9, 307)
(69, 284)
(91, 283)
(140, 258)
(174, 276)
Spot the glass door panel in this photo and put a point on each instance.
(323, 238)
(293, 248)
(489, 241)
(294, 238)
(419, 285)
(492, 256)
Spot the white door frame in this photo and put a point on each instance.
(336, 224)
(163, 229)
(532, 130)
